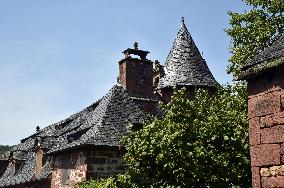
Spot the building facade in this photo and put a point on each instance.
(87, 144)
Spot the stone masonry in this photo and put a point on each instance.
(266, 129)
(265, 76)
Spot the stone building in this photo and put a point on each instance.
(265, 76)
(87, 144)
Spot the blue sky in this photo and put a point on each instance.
(57, 57)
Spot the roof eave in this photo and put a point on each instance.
(260, 68)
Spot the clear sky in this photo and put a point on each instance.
(59, 56)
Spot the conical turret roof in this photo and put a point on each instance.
(184, 65)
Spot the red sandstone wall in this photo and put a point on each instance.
(77, 170)
(97, 163)
(266, 129)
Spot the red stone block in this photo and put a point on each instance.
(265, 154)
(264, 182)
(278, 118)
(254, 131)
(282, 155)
(255, 177)
(265, 104)
(272, 182)
(273, 134)
(269, 121)
(280, 181)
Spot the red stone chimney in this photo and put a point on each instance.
(136, 73)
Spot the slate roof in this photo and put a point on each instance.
(184, 65)
(26, 172)
(25, 151)
(106, 124)
(270, 57)
(103, 123)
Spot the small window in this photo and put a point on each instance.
(132, 127)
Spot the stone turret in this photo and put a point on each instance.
(185, 66)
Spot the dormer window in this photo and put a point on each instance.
(15, 166)
(133, 127)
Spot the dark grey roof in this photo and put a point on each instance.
(270, 57)
(184, 65)
(106, 124)
(52, 131)
(102, 123)
(276, 50)
(26, 173)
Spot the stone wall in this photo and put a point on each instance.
(104, 163)
(69, 169)
(266, 128)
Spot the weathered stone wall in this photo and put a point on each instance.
(105, 163)
(74, 170)
(266, 128)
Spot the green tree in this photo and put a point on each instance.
(4, 148)
(253, 30)
(197, 143)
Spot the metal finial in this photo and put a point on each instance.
(182, 22)
(37, 128)
(135, 45)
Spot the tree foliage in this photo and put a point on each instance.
(4, 148)
(253, 30)
(197, 143)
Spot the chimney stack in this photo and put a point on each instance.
(136, 72)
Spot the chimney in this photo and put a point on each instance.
(136, 72)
